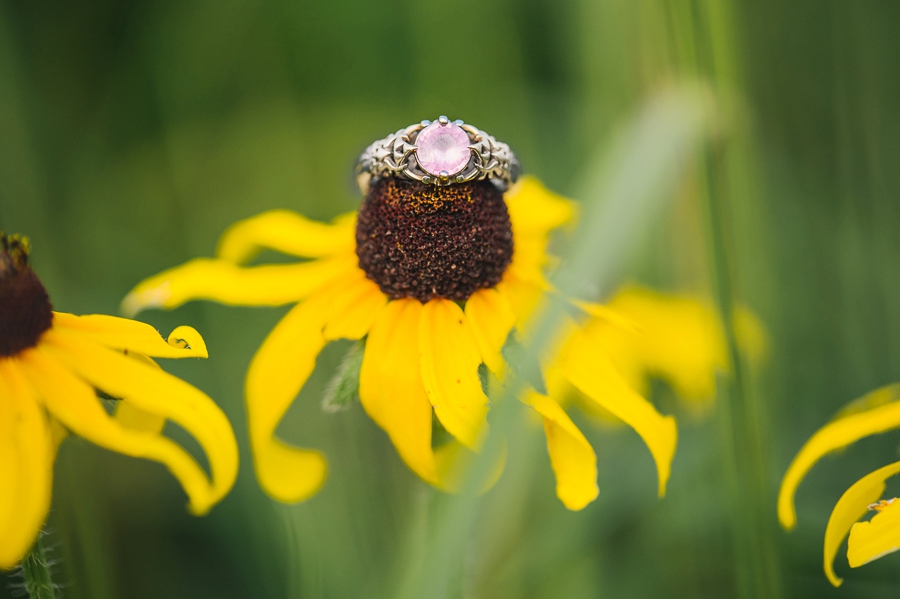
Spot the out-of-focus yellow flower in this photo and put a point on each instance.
(877, 412)
(674, 337)
(52, 366)
(614, 350)
(433, 281)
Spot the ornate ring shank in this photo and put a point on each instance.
(398, 155)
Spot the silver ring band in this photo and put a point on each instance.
(441, 152)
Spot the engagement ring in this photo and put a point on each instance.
(441, 152)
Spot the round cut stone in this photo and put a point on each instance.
(443, 148)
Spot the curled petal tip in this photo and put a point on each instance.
(304, 477)
(787, 515)
(787, 521)
(186, 337)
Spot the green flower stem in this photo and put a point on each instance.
(744, 461)
(36, 572)
(726, 169)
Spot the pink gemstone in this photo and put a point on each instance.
(443, 148)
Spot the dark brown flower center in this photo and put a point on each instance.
(425, 241)
(25, 310)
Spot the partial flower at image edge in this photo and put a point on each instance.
(54, 367)
(874, 413)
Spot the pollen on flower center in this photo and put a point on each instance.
(426, 241)
(25, 310)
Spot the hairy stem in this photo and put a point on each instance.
(36, 572)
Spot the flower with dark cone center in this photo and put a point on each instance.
(25, 310)
(427, 241)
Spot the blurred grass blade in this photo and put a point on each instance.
(626, 184)
(625, 190)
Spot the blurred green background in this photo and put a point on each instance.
(133, 132)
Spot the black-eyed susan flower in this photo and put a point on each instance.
(52, 367)
(435, 279)
(874, 413)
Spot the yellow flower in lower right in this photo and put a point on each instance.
(874, 413)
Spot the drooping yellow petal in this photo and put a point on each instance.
(589, 369)
(354, 309)
(133, 417)
(529, 259)
(74, 403)
(26, 465)
(876, 538)
(157, 392)
(852, 506)
(843, 431)
(680, 340)
(880, 535)
(449, 362)
(534, 208)
(391, 389)
(534, 212)
(491, 318)
(289, 233)
(134, 336)
(223, 281)
(571, 456)
(276, 375)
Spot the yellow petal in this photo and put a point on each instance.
(880, 535)
(835, 435)
(354, 309)
(523, 296)
(491, 317)
(131, 416)
(157, 392)
(58, 434)
(222, 281)
(589, 369)
(877, 537)
(680, 340)
(276, 375)
(289, 233)
(852, 506)
(529, 259)
(449, 362)
(533, 208)
(391, 389)
(571, 456)
(26, 465)
(134, 336)
(74, 403)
